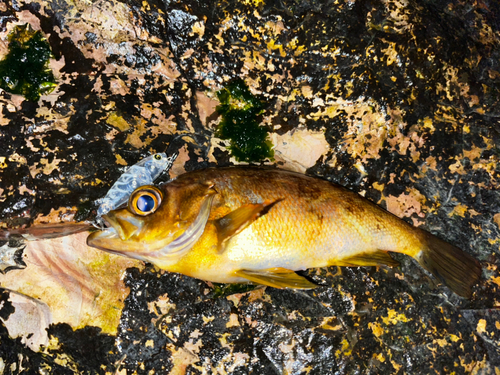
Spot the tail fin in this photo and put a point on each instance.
(456, 269)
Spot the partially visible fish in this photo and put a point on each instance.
(11, 256)
(12, 251)
(44, 231)
(142, 173)
(234, 225)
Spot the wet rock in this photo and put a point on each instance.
(402, 101)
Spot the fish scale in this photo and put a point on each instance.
(289, 223)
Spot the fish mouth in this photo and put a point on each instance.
(116, 237)
(96, 238)
(109, 241)
(119, 228)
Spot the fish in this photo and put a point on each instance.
(142, 173)
(11, 256)
(14, 240)
(261, 225)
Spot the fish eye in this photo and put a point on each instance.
(145, 200)
(157, 156)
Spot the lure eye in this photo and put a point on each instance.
(157, 156)
(145, 200)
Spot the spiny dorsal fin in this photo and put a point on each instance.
(375, 258)
(239, 219)
(277, 278)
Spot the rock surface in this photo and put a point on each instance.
(399, 101)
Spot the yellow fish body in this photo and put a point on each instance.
(233, 225)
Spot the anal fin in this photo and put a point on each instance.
(239, 219)
(277, 278)
(375, 258)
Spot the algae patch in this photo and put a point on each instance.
(241, 112)
(25, 69)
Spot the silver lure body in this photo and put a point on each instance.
(142, 173)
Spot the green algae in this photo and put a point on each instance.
(25, 69)
(241, 112)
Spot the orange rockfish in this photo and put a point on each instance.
(243, 224)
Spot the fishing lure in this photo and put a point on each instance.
(143, 173)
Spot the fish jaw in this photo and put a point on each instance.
(109, 240)
(122, 226)
(124, 223)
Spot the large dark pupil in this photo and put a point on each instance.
(145, 203)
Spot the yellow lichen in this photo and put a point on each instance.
(376, 329)
(326, 324)
(407, 204)
(454, 338)
(233, 321)
(345, 349)
(393, 317)
(481, 326)
(207, 320)
(496, 219)
(118, 122)
(459, 210)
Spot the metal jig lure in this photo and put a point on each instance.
(143, 173)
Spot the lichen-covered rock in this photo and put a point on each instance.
(397, 100)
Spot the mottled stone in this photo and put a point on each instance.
(400, 101)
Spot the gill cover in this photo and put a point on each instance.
(182, 244)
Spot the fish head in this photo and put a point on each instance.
(158, 223)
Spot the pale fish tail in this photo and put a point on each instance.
(455, 268)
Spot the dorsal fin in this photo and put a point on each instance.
(237, 220)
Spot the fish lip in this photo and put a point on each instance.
(113, 231)
(124, 226)
(111, 222)
(95, 238)
(98, 241)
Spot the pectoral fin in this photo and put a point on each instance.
(376, 258)
(239, 219)
(277, 278)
